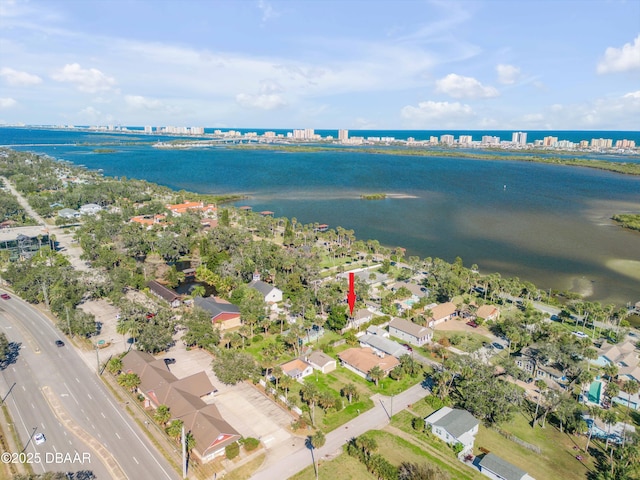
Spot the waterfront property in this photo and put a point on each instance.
(453, 426)
(178, 209)
(488, 312)
(623, 355)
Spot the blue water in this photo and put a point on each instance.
(543, 223)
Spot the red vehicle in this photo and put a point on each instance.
(473, 324)
(5, 296)
(150, 315)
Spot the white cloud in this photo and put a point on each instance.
(432, 113)
(635, 94)
(264, 101)
(621, 59)
(89, 80)
(508, 74)
(140, 102)
(7, 102)
(267, 10)
(16, 78)
(458, 86)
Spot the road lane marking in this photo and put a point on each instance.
(24, 389)
(69, 390)
(89, 397)
(77, 380)
(103, 416)
(33, 406)
(118, 436)
(134, 458)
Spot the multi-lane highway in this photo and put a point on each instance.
(50, 390)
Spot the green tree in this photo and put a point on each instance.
(310, 394)
(420, 471)
(350, 391)
(315, 441)
(162, 414)
(231, 366)
(376, 374)
(129, 381)
(200, 331)
(114, 365)
(174, 430)
(4, 348)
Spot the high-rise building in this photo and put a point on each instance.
(519, 138)
(465, 139)
(446, 139)
(343, 135)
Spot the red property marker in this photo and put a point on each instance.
(351, 296)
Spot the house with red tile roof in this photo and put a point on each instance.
(178, 209)
(149, 220)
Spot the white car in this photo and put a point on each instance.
(580, 334)
(39, 438)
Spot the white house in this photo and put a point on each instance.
(68, 213)
(321, 361)
(297, 369)
(90, 209)
(496, 468)
(270, 293)
(453, 426)
(410, 332)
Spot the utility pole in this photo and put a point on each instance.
(66, 309)
(97, 359)
(184, 454)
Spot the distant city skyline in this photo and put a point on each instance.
(476, 65)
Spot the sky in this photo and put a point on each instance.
(322, 64)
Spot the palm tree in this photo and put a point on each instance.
(129, 380)
(594, 412)
(114, 365)
(174, 430)
(285, 382)
(367, 444)
(376, 374)
(610, 418)
(198, 291)
(350, 391)
(317, 440)
(162, 414)
(541, 386)
(310, 394)
(631, 387)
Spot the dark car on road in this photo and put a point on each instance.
(498, 346)
(59, 343)
(407, 346)
(5, 296)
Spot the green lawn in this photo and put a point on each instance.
(468, 341)
(557, 458)
(343, 466)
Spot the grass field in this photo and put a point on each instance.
(343, 466)
(557, 457)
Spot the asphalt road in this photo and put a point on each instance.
(42, 366)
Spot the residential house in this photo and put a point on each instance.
(453, 426)
(149, 220)
(416, 291)
(270, 293)
(359, 318)
(496, 468)
(488, 312)
(410, 332)
(68, 213)
(623, 355)
(440, 313)
(297, 368)
(178, 209)
(362, 360)
(321, 361)
(224, 315)
(376, 330)
(184, 399)
(90, 209)
(526, 360)
(383, 346)
(164, 293)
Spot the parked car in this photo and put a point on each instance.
(473, 324)
(580, 334)
(59, 343)
(498, 346)
(5, 296)
(407, 346)
(39, 438)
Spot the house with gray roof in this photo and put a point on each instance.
(90, 209)
(270, 293)
(68, 213)
(383, 346)
(321, 361)
(410, 332)
(164, 293)
(496, 468)
(453, 425)
(224, 315)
